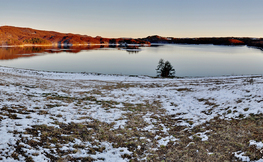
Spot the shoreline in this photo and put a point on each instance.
(68, 45)
(121, 45)
(83, 75)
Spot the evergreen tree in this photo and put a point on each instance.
(165, 69)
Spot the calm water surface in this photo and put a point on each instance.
(187, 60)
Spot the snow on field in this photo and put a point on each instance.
(258, 144)
(29, 98)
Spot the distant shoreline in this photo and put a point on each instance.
(68, 45)
(260, 47)
(11, 36)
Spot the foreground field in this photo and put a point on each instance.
(80, 117)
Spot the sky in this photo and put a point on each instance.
(138, 18)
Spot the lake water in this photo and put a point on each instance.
(187, 60)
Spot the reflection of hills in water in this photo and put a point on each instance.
(13, 53)
(8, 53)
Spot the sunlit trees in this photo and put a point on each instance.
(36, 41)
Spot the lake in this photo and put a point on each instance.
(187, 60)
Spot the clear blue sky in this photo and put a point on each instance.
(138, 18)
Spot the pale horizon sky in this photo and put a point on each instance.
(138, 18)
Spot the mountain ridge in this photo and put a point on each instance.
(21, 36)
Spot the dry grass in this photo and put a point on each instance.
(146, 123)
(224, 138)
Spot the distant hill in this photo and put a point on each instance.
(255, 42)
(10, 35)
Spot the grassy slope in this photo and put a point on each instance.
(207, 119)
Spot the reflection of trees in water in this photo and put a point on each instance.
(132, 52)
(13, 53)
(7, 53)
(134, 49)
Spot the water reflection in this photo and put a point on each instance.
(14, 53)
(132, 49)
(8, 53)
(187, 60)
(132, 52)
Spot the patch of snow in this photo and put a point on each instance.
(165, 141)
(112, 154)
(201, 135)
(239, 155)
(259, 145)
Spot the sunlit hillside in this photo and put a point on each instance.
(10, 35)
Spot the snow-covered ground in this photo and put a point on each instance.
(52, 116)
